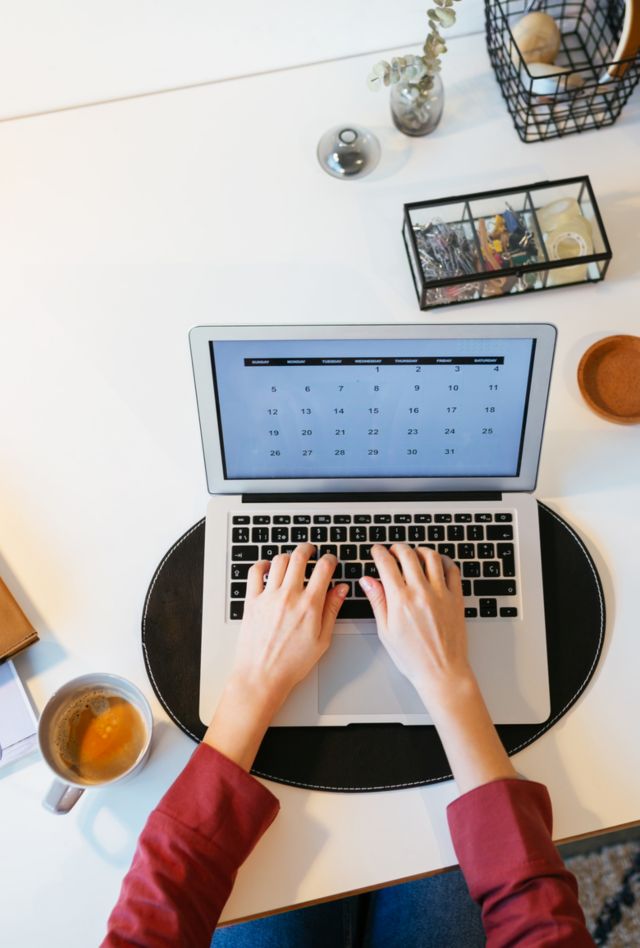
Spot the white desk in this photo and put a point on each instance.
(76, 52)
(123, 226)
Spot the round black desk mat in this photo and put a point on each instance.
(362, 757)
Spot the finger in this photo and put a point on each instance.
(321, 575)
(255, 578)
(452, 575)
(332, 605)
(388, 568)
(433, 566)
(277, 570)
(374, 591)
(412, 565)
(297, 564)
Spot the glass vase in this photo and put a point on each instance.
(414, 112)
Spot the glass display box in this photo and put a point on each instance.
(505, 242)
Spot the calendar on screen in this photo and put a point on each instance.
(372, 408)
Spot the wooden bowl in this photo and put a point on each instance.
(609, 378)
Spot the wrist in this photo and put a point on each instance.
(470, 740)
(254, 693)
(448, 693)
(241, 719)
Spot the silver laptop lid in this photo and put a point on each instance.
(307, 409)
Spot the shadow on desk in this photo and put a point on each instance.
(473, 103)
(290, 863)
(396, 151)
(621, 211)
(43, 655)
(112, 818)
(567, 803)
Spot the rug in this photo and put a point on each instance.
(609, 886)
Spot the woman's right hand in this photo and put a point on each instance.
(419, 611)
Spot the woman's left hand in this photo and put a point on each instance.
(286, 629)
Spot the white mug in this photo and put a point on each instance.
(66, 791)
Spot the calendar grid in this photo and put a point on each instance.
(446, 408)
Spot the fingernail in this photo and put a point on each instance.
(342, 590)
(366, 583)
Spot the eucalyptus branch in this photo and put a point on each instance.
(419, 70)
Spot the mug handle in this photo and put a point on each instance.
(61, 797)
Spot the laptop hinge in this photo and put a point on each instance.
(374, 497)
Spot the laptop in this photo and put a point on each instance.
(346, 436)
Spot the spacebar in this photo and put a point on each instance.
(355, 609)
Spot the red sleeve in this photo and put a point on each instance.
(188, 854)
(502, 837)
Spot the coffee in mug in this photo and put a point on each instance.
(98, 735)
(95, 730)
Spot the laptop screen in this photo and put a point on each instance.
(368, 408)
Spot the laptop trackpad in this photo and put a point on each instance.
(356, 676)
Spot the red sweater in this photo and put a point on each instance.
(213, 815)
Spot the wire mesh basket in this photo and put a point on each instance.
(590, 86)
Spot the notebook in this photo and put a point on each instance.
(346, 436)
(18, 724)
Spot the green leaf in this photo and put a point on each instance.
(447, 17)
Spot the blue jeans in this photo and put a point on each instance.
(437, 912)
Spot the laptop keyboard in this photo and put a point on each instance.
(482, 544)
